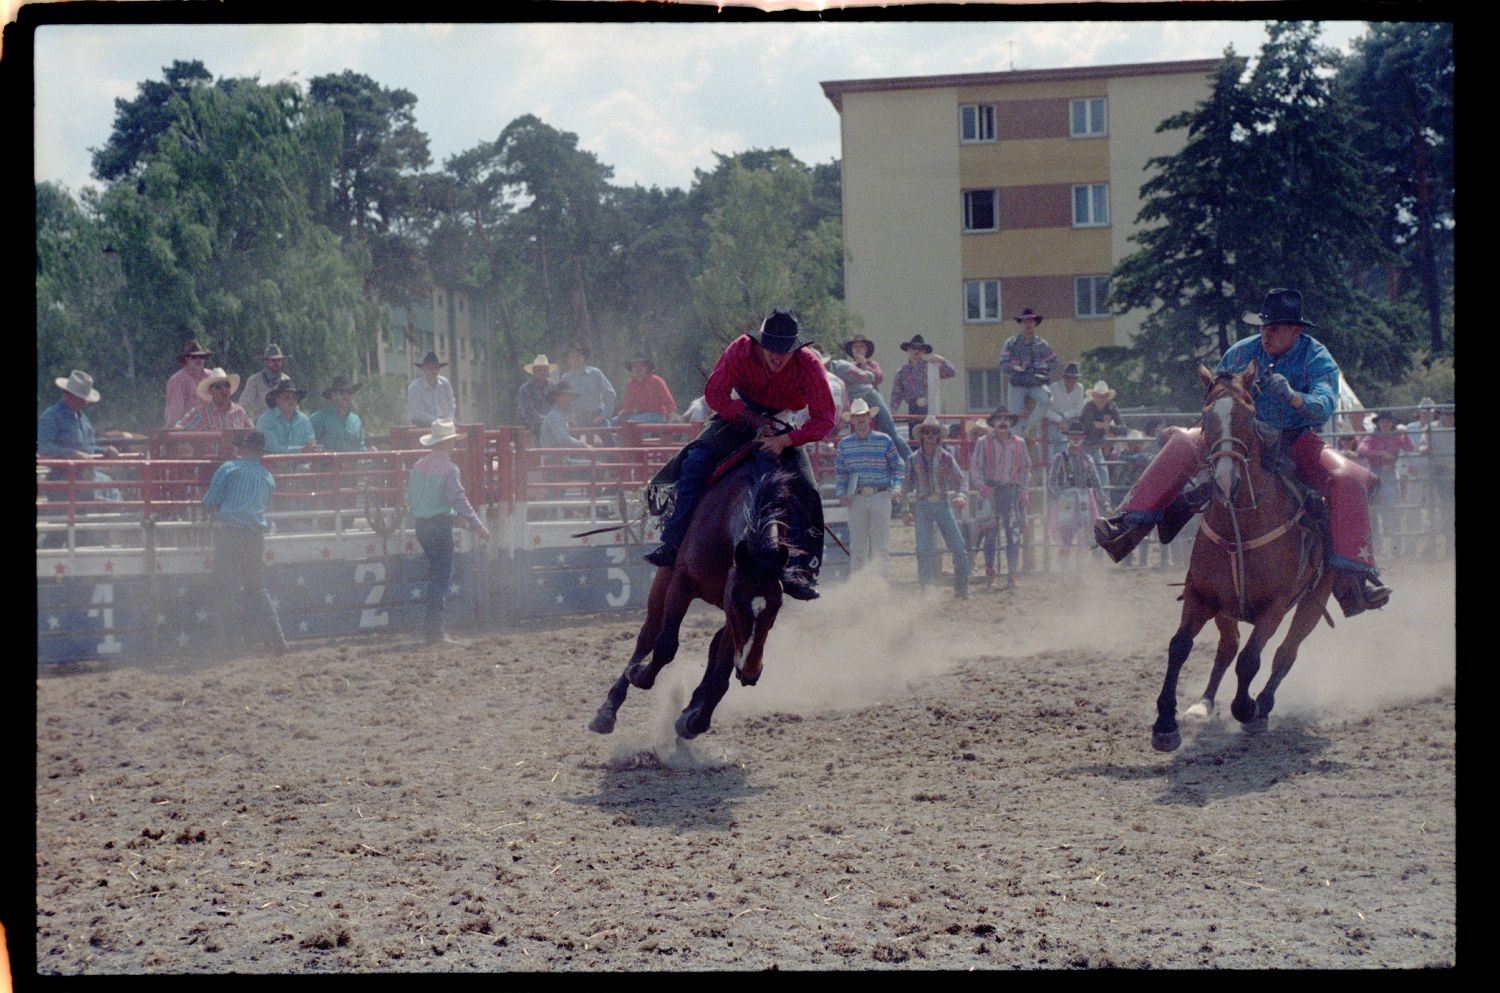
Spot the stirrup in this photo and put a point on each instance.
(665, 555)
(1117, 537)
(1358, 592)
(798, 589)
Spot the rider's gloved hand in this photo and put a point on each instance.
(1276, 384)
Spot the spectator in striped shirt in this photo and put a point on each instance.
(216, 412)
(868, 471)
(239, 494)
(934, 487)
(1001, 469)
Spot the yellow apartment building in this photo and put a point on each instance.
(970, 197)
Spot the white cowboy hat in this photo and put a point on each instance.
(80, 384)
(217, 376)
(1101, 388)
(931, 423)
(858, 407)
(443, 429)
(541, 360)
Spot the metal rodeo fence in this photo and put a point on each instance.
(124, 551)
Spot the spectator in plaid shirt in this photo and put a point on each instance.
(935, 486)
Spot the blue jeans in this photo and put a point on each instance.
(435, 535)
(924, 515)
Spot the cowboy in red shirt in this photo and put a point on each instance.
(770, 373)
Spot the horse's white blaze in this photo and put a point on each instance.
(757, 605)
(1224, 467)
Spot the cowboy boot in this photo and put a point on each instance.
(1358, 591)
(1118, 536)
(1173, 519)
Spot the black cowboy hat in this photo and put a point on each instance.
(640, 360)
(780, 333)
(430, 359)
(192, 350)
(916, 342)
(1028, 312)
(1281, 306)
(341, 384)
(1076, 427)
(1071, 369)
(849, 350)
(284, 385)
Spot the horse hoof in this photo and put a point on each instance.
(684, 728)
(1203, 710)
(602, 723)
(641, 676)
(1166, 742)
(1255, 726)
(746, 680)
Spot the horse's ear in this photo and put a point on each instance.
(1247, 378)
(1205, 375)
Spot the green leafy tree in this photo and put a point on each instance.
(1402, 77)
(1270, 189)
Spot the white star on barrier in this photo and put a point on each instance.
(452, 587)
(202, 616)
(301, 580)
(582, 580)
(561, 558)
(182, 639)
(559, 598)
(161, 619)
(328, 598)
(302, 627)
(416, 594)
(52, 623)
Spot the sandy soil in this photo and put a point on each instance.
(916, 783)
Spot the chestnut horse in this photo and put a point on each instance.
(1252, 561)
(732, 557)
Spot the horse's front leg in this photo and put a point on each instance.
(695, 718)
(1229, 643)
(604, 720)
(1195, 613)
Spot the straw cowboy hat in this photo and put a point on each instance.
(443, 429)
(273, 351)
(1281, 306)
(80, 384)
(192, 350)
(931, 424)
(1101, 389)
(859, 408)
(341, 384)
(540, 360)
(216, 376)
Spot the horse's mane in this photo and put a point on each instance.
(764, 514)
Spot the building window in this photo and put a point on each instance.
(979, 210)
(1089, 296)
(981, 300)
(984, 389)
(1089, 118)
(1091, 206)
(976, 122)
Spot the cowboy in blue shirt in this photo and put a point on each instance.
(1299, 388)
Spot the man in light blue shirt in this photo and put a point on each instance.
(286, 428)
(239, 495)
(430, 396)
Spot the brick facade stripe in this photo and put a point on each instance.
(1048, 206)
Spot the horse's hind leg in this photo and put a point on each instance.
(1248, 663)
(1195, 613)
(695, 718)
(662, 639)
(1308, 614)
(604, 719)
(1229, 643)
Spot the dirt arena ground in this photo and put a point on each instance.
(916, 783)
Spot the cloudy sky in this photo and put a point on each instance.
(652, 100)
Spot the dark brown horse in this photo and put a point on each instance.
(1252, 561)
(732, 557)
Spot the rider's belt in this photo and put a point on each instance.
(935, 498)
(871, 490)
